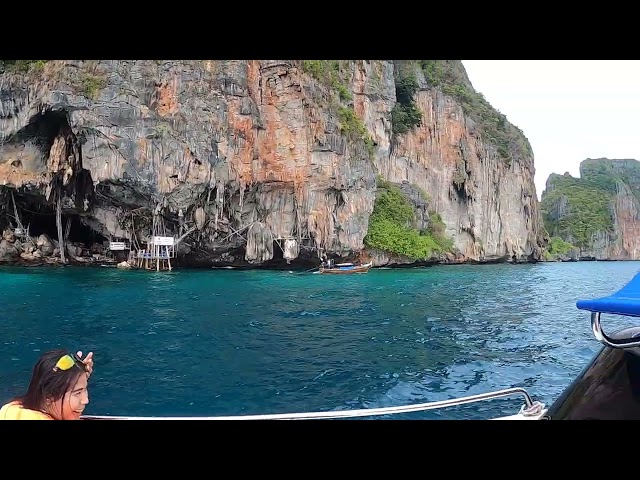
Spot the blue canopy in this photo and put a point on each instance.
(625, 301)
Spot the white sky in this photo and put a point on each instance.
(569, 110)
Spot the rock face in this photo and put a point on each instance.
(250, 162)
(598, 214)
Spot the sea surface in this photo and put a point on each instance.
(228, 342)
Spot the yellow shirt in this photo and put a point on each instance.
(15, 411)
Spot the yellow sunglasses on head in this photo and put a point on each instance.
(66, 362)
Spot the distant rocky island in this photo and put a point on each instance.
(595, 216)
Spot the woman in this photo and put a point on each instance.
(57, 390)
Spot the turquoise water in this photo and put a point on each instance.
(226, 342)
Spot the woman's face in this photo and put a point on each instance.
(72, 404)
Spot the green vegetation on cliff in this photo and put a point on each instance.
(391, 227)
(91, 85)
(22, 66)
(352, 127)
(329, 73)
(332, 74)
(449, 77)
(606, 174)
(445, 75)
(577, 208)
(557, 247)
(405, 114)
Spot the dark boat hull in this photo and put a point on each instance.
(606, 389)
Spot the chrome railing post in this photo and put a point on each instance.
(596, 327)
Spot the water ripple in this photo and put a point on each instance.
(244, 342)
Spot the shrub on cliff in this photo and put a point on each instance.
(332, 74)
(405, 114)
(22, 66)
(391, 227)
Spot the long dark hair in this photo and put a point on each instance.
(48, 384)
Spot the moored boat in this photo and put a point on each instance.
(345, 268)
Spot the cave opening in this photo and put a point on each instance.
(43, 128)
(41, 219)
(459, 188)
(278, 255)
(278, 262)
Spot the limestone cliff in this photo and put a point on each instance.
(259, 161)
(597, 215)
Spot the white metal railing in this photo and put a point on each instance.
(530, 408)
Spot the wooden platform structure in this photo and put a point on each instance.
(160, 250)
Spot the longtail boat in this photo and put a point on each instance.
(344, 268)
